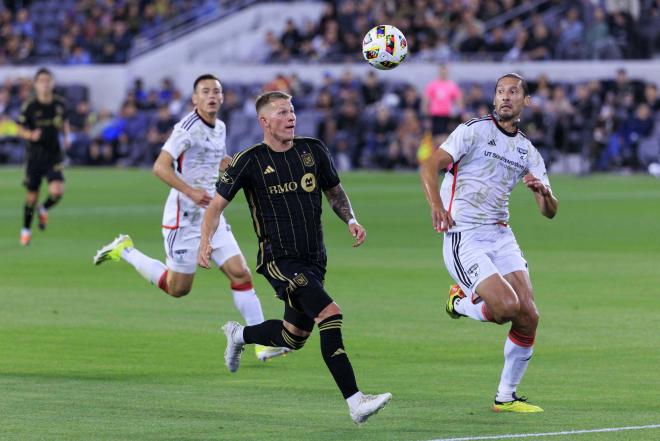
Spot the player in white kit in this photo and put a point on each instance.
(190, 163)
(488, 156)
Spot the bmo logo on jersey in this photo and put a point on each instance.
(307, 183)
(283, 188)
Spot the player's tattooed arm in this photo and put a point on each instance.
(339, 202)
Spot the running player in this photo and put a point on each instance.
(488, 156)
(190, 163)
(283, 178)
(41, 122)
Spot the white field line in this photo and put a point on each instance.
(538, 435)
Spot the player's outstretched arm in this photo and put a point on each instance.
(341, 205)
(546, 201)
(428, 172)
(164, 170)
(209, 225)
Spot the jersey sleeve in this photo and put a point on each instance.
(24, 117)
(178, 142)
(328, 176)
(235, 177)
(459, 142)
(536, 165)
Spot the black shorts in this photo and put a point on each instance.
(439, 125)
(299, 284)
(36, 170)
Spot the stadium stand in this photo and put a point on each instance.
(368, 122)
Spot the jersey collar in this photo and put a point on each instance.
(495, 119)
(202, 120)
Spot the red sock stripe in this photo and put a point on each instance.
(525, 341)
(162, 282)
(241, 286)
(485, 312)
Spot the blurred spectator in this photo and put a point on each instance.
(380, 135)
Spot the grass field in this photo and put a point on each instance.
(95, 353)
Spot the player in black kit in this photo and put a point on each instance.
(42, 120)
(282, 179)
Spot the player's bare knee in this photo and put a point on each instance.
(507, 310)
(241, 276)
(179, 291)
(328, 311)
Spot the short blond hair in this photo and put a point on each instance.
(266, 98)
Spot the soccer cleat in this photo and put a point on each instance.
(455, 294)
(367, 406)
(26, 237)
(112, 251)
(265, 353)
(43, 218)
(518, 405)
(234, 349)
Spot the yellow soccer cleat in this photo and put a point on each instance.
(112, 251)
(265, 353)
(455, 294)
(518, 405)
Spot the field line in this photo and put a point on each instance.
(538, 435)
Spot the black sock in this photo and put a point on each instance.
(50, 201)
(28, 214)
(272, 333)
(335, 357)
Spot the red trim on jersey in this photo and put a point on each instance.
(241, 286)
(519, 339)
(454, 172)
(176, 225)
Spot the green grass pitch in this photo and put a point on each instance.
(95, 353)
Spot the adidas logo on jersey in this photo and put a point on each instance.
(492, 142)
(268, 170)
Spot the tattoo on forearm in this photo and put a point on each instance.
(339, 202)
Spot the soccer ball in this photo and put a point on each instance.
(384, 47)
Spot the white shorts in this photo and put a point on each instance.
(182, 246)
(471, 256)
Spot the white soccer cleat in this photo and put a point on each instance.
(368, 405)
(112, 251)
(265, 353)
(234, 349)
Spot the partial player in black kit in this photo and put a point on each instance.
(42, 121)
(283, 178)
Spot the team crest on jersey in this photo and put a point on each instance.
(308, 160)
(522, 152)
(300, 280)
(473, 272)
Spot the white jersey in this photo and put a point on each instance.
(488, 163)
(198, 149)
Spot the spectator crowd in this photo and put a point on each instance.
(103, 31)
(606, 125)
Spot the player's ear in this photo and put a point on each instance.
(528, 100)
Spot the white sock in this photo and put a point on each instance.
(248, 305)
(150, 269)
(466, 307)
(516, 359)
(354, 399)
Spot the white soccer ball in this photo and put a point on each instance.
(384, 47)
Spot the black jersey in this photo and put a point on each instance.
(50, 119)
(283, 191)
